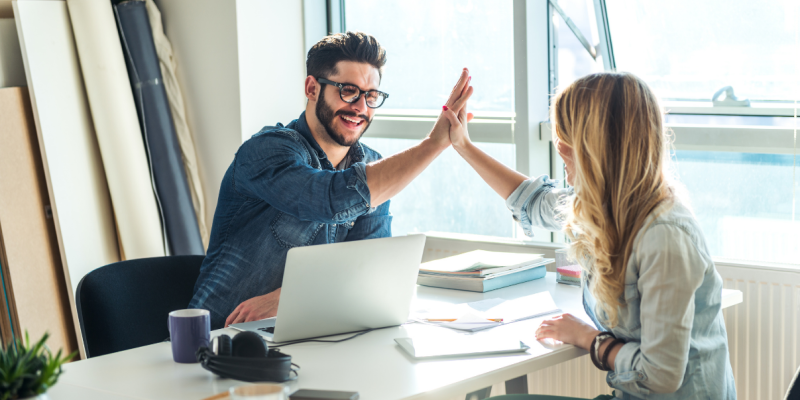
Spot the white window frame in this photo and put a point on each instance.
(535, 80)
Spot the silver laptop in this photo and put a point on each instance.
(344, 287)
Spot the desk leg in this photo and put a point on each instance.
(518, 385)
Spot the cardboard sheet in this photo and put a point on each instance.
(76, 181)
(37, 292)
(117, 126)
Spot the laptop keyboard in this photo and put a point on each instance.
(270, 329)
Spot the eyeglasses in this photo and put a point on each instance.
(351, 93)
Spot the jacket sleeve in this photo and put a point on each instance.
(275, 167)
(534, 202)
(376, 224)
(670, 272)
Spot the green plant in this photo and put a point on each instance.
(27, 371)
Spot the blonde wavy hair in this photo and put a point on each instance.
(613, 124)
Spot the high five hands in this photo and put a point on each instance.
(456, 103)
(458, 116)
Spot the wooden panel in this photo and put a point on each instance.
(37, 292)
(116, 125)
(73, 169)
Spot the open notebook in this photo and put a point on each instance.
(474, 316)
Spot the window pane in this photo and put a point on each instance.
(745, 203)
(689, 49)
(449, 196)
(573, 59)
(429, 42)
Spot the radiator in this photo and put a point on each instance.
(763, 330)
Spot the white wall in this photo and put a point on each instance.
(241, 65)
(271, 62)
(203, 37)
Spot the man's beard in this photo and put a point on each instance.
(325, 115)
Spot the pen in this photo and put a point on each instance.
(453, 319)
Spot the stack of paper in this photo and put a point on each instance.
(482, 271)
(476, 315)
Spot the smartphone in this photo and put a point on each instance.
(310, 394)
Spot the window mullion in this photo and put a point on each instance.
(605, 47)
(532, 88)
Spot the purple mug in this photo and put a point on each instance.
(188, 331)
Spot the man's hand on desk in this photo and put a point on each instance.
(257, 308)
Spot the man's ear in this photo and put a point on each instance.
(312, 88)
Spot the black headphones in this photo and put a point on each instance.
(247, 358)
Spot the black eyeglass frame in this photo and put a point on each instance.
(341, 86)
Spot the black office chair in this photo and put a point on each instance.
(793, 393)
(126, 304)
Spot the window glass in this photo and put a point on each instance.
(689, 49)
(573, 59)
(449, 196)
(429, 42)
(746, 203)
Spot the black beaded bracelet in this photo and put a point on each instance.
(607, 353)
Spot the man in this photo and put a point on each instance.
(309, 182)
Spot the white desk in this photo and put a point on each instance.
(372, 364)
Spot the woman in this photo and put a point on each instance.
(649, 280)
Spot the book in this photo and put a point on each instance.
(486, 283)
(479, 262)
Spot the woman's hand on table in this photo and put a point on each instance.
(568, 329)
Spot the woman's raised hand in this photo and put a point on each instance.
(457, 101)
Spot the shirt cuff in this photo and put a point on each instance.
(624, 377)
(520, 199)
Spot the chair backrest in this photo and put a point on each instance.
(793, 393)
(126, 304)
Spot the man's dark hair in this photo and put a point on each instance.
(348, 46)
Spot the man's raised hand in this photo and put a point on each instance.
(458, 118)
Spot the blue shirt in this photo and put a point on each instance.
(281, 191)
(671, 318)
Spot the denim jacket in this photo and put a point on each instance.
(281, 191)
(671, 319)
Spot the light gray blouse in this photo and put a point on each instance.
(677, 346)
